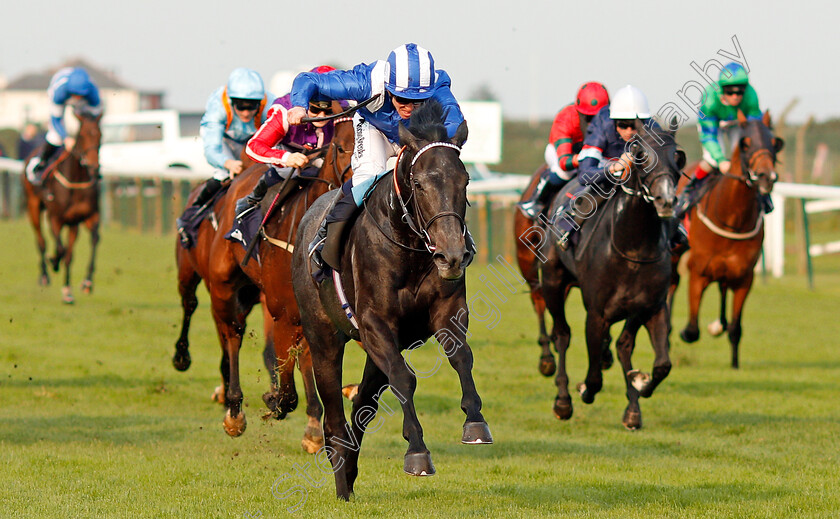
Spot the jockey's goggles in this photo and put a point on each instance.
(318, 107)
(245, 104)
(625, 124)
(407, 101)
(734, 90)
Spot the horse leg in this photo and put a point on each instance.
(230, 336)
(529, 266)
(313, 435)
(696, 286)
(562, 335)
(716, 328)
(547, 365)
(379, 339)
(33, 206)
(66, 291)
(269, 358)
(55, 228)
(365, 406)
(188, 280)
(632, 419)
(92, 224)
(287, 344)
(658, 327)
(738, 298)
(597, 329)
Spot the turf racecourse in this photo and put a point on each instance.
(95, 422)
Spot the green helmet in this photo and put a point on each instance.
(733, 74)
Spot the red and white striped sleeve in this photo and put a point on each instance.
(261, 146)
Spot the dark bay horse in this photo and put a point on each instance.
(234, 289)
(726, 230)
(622, 266)
(403, 272)
(70, 195)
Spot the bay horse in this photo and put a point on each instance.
(69, 194)
(234, 289)
(402, 270)
(622, 267)
(727, 232)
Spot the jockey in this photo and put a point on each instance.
(233, 114)
(564, 143)
(407, 78)
(606, 139)
(720, 111)
(278, 144)
(71, 86)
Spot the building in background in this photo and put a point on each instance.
(24, 99)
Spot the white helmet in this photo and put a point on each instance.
(629, 103)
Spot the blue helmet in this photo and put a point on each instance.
(733, 74)
(79, 83)
(410, 72)
(245, 83)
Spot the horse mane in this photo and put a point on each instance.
(427, 122)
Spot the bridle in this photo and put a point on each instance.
(418, 224)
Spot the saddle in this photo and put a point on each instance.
(194, 215)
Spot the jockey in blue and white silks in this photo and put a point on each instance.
(71, 86)
(408, 77)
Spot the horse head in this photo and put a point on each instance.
(432, 172)
(758, 148)
(657, 163)
(341, 147)
(86, 148)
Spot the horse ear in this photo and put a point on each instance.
(460, 135)
(679, 157)
(778, 144)
(673, 126)
(407, 138)
(766, 119)
(742, 119)
(745, 143)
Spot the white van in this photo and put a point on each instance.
(151, 141)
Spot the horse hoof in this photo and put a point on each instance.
(547, 365)
(235, 426)
(419, 464)
(638, 379)
(632, 420)
(716, 328)
(87, 286)
(273, 401)
(313, 440)
(44, 280)
(67, 296)
(689, 336)
(218, 395)
(587, 396)
(476, 433)
(350, 391)
(182, 362)
(563, 408)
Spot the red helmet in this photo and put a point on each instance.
(322, 69)
(591, 98)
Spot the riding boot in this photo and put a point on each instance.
(326, 246)
(211, 187)
(690, 195)
(37, 166)
(679, 238)
(247, 203)
(532, 207)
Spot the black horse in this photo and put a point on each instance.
(403, 272)
(622, 266)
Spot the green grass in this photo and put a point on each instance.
(95, 422)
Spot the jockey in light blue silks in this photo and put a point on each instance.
(406, 79)
(71, 86)
(233, 114)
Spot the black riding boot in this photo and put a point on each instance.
(247, 203)
(690, 195)
(326, 246)
(46, 155)
(211, 187)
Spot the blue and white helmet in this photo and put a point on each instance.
(79, 83)
(245, 83)
(410, 72)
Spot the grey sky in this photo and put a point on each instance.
(532, 55)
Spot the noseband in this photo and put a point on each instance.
(421, 226)
(748, 163)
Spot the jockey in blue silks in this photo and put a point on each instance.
(232, 115)
(71, 86)
(603, 159)
(406, 79)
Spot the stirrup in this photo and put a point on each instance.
(245, 206)
(531, 208)
(564, 240)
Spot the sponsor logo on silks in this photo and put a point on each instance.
(360, 138)
(237, 235)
